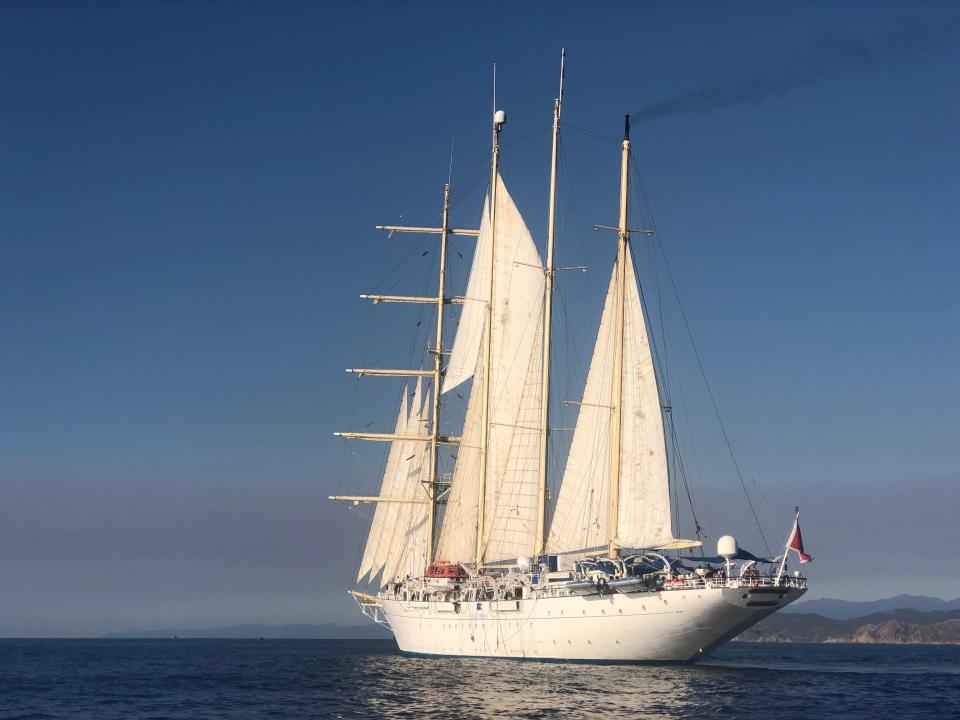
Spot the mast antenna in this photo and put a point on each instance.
(453, 141)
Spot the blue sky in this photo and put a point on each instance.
(187, 201)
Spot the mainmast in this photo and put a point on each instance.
(499, 117)
(623, 238)
(547, 326)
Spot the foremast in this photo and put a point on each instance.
(437, 378)
(435, 438)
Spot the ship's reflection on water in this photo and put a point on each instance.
(423, 687)
(496, 688)
(738, 681)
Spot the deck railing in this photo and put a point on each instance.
(717, 581)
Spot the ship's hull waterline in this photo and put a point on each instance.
(676, 626)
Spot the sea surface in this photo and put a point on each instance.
(196, 679)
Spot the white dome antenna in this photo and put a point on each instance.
(727, 549)
(499, 118)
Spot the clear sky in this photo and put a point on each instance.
(187, 201)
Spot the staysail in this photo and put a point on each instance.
(581, 517)
(511, 486)
(466, 344)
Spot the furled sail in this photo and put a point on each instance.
(511, 485)
(374, 553)
(581, 517)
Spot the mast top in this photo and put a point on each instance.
(563, 56)
(626, 127)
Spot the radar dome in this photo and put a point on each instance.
(727, 547)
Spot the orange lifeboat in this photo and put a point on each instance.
(444, 569)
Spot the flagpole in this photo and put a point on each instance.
(786, 546)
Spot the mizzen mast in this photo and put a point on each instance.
(623, 238)
(547, 323)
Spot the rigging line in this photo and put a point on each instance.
(673, 477)
(568, 180)
(640, 194)
(421, 309)
(593, 134)
(483, 162)
(571, 339)
(763, 502)
(578, 224)
(696, 456)
(513, 141)
(686, 485)
(467, 181)
(414, 247)
(706, 382)
(601, 188)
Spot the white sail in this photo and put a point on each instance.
(458, 534)
(408, 551)
(581, 517)
(512, 500)
(515, 367)
(644, 513)
(374, 553)
(469, 337)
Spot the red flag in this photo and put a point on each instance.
(796, 543)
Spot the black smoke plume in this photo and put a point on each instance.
(830, 55)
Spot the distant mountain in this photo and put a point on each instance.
(902, 626)
(846, 610)
(301, 631)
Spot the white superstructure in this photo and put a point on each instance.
(487, 583)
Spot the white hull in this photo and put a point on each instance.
(666, 626)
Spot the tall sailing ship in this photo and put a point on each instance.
(485, 563)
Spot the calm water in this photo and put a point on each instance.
(194, 679)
